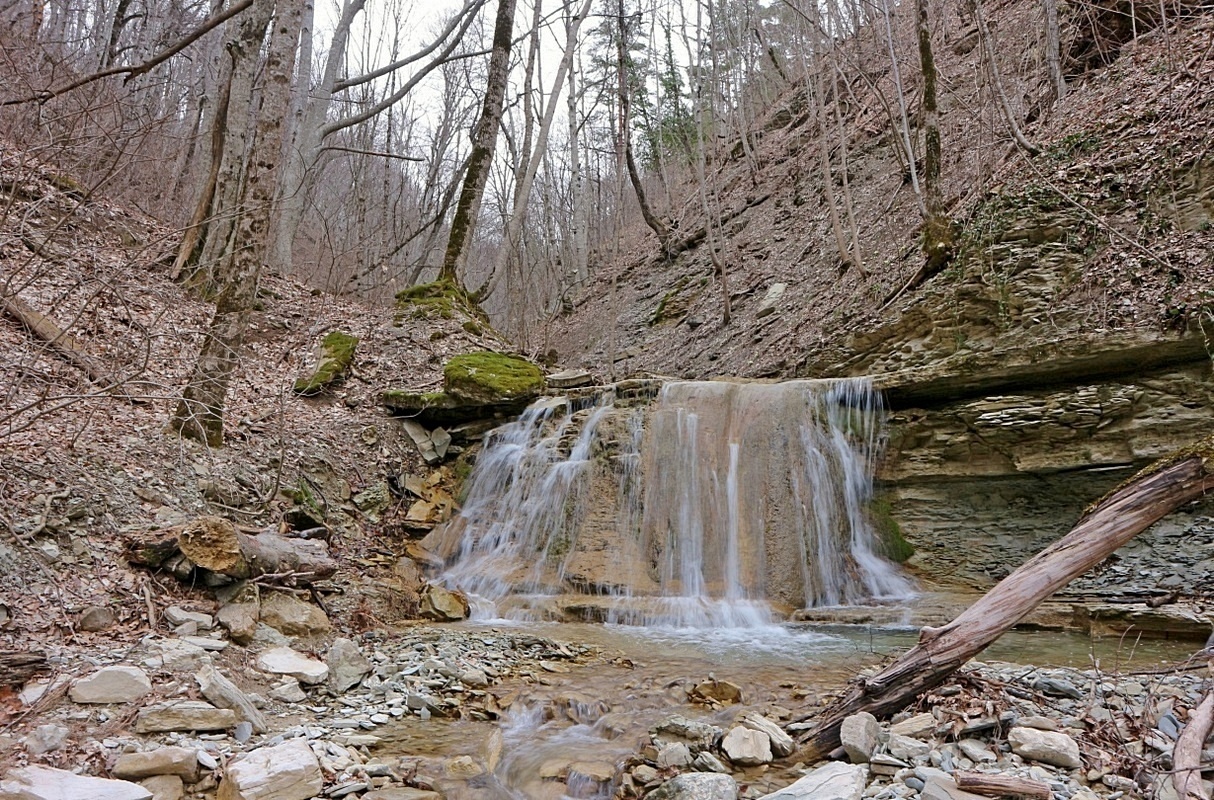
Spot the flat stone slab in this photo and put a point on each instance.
(570, 379)
(288, 771)
(285, 661)
(837, 781)
(179, 761)
(111, 685)
(45, 783)
(184, 715)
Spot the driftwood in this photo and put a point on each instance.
(1186, 756)
(1001, 785)
(214, 544)
(1106, 526)
(18, 666)
(48, 331)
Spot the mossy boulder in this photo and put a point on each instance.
(490, 378)
(336, 356)
(440, 299)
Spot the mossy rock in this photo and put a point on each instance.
(434, 409)
(438, 299)
(336, 356)
(491, 378)
(892, 544)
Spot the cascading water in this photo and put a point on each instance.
(707, 509)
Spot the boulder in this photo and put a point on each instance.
(288, 614)
(224, 694)
(347, 665)
(835, 781)
(285, 661)
(771, 300)
(696, 786)
(781, 743)
(184, 715)
(240, 610)
(288, 771)
(746, 747)
(1045, 746)
(490, 378)
(45, 783)
(111, 685)
(442, 605)
(179, 761)
(94, 618)
(858, 735)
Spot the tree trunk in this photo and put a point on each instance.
(1053, 48)
(18, 666)
(1186, 757)
(1001, 785)
(1106, 526)
(937, 228)
(484, 142)
(988, 49)
(200, 412)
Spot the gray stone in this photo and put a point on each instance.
(288, 614)
(976, 751)
(917, 727)
(674, 755)
(94, 618)
(938, 788)
(184, 715)
(570, 379)
(285, 661)
(45, 783)
(696, 786)
(707, 762)
(474, 679)
(835, 781)
(243, 732)
(421, 438)
(747, 747)
(347, 665)
(111, 685)
(781, 743)
(288, 771)
(1047, 747)
(675, 728)
(164, 787)
(858, 735)
(402, 793)
(207, 643)
(289, 692)
(441, 441)
(177, 654)
(771, 299)
(176, 616)
(179, 761)
(216, 687)
(45, 738)
(905, 747)
(884, 764)
(240, 610)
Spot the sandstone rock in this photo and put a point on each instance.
(176, 616)
(94, 618)
(285, 661)
(289, 692)
(474, 678)
(45, 738)
(570, 379)
(347, 665)
(1045, 746)
(463, 767)
(164, 787)
(675, 755)
(208, 643)
(441, 441)
(696, 786)
(288, 771)
(402, 793)
(224, 694)
(240, 610)
(421, 438)
(781, 743)
(858, 736)
(836, 781)
(288, 614)
(442, 605)
(177, 655)
(905, 747)
(746, 747)
(697, 735)
(184, 715)
(707, 762)
(179, 761)
(111, 685)
(771, 299)
(976, 751)
(917, 727)
(722, 692)
(45, 783)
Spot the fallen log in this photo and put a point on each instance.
(1186, 755)
(1001, 785)
(214, 544)
(1107, 525)
(44, 328)
(18, 666)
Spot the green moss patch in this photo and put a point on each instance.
(889, 533)
(441, 299)
(488, 377)
(336, 356)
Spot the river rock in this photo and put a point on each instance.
(111, 685)
(723, 692)
(858, 735)
(696, 786)
(676, 728)
(1045, 746)
(707, 762)
(675, 755)
(347, 665)
(179, 761)
(442, 605)
(288, 771)
(747, 747)
(917, 727)
(835, 781)
(240, 610)
(224, 694)
(781, 743)
(285, 661)
(94, 618)
(164, 787)
(45, 783)
(288, 614)
(184, 715)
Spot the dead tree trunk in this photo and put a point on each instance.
(1186, 757)
(1106, 526)
(18, 666)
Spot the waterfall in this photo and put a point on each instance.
(707, 509)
